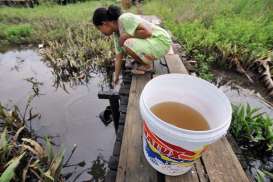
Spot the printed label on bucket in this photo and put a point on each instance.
(163, 153)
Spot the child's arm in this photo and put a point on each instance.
(118, 63)
(141, 32)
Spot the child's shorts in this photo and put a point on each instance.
(153, 47)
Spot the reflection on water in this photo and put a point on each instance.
(98, 169)
(72, 115)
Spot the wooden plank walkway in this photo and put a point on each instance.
(218, 163)
(132, 161)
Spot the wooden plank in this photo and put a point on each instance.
(222, 164)
(175, 64)
(124, 91)
(132, 163)
(190, 176)
(200, 169)
(197, 174)
(120, 133)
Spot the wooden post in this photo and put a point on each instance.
(113, 98)
(114, 104)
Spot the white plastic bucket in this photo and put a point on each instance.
(172, 150)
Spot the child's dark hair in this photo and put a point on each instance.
(103, 14)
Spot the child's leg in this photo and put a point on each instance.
(143, 67)
(133, 55)
(148, 59)
(137, 52)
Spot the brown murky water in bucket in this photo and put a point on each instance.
(180, 115)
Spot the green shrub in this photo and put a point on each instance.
(15, 33)
(224, 30)
(251, 127)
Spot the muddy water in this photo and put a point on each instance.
(73, 117)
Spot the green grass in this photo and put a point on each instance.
(42, 23)
(16, 33)
(218, 30)
(71, 12)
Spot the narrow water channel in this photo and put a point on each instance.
(72, 117)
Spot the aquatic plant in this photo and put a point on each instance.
(81, 52)
(262, 174)
(252, 128)
(22, 156)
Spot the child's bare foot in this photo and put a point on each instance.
(145, 68)
(137, 72)
(142, 69)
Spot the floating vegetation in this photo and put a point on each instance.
(35, 86)
(82, 51)
(98, 169)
